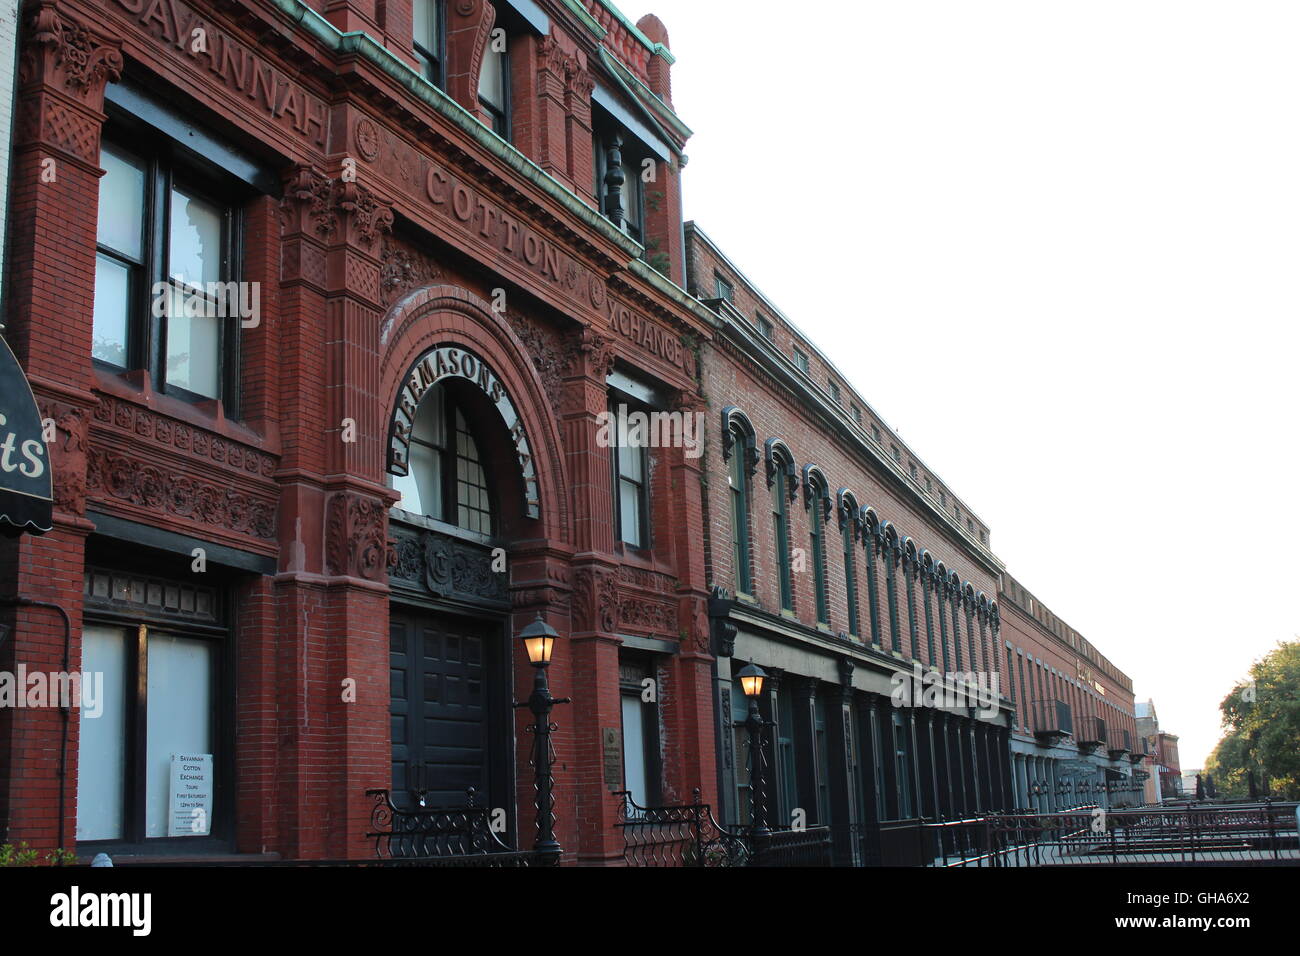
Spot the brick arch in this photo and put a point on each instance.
(448, 315)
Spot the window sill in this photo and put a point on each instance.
(135, 386)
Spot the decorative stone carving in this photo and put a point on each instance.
(368, 216)
(169, 432)
(446, 567)
(548, 358)
(550, 57)
(58, 47)
(403, 270)
(308, 188)
(68, 455)
(310, 197)
(595, 602)
(366, 135)
(656, 617)
(356, 538)
(591, 352)
(170, 492)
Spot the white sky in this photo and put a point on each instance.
(1057, 244)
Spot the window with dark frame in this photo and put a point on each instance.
(903, 765)
(723, 288)
(781, 526)
(167, 250)
(631, 466)
(738, 481)
(427, 38)
(764, 325)
(801, 360)
(817, 540)
(850, 577)
(640, 726)
(611, 141)
(494, 82)
(162, 648)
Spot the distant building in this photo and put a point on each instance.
(1164, 780)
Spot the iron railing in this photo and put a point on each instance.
(688, 835)
(443, 836)
(1264, 834)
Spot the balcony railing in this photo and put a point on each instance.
(1051, 719)
(1121, 744)
(1092, 732)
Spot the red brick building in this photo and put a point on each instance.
(344, 318)
(1076, 740)
(845, 568)
(297, 538)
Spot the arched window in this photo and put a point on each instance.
(738, 479)
(817, 499)
(780, 475)
(848, 516)
(446, 480)
(781, 522)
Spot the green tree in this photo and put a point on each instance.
(1262, 723)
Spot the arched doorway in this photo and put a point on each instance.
(460, 456)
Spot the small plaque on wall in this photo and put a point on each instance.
(612, 744)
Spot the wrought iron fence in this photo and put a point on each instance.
(681, 835)
(1263, 834)
(442, 836)
(687, 835)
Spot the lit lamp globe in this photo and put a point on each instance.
(752, 678)
(539, 640)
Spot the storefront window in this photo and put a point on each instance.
(150, 754)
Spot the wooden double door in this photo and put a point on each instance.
(450, 709)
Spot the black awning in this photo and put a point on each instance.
(26, 500)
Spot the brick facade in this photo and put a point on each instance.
(385, 221)
(389, 231)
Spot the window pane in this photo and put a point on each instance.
(180, 717)
(426, 24)
(635, 773)
(631, 197)
(431, 421)
(422, 488)
(121, 203)
(193, 350)
(101, 761)
(631, 463)
(630, 512)
(108, 331)
(194, 252)
(492, 79)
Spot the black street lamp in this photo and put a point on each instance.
(752, 677)
(539, 641)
